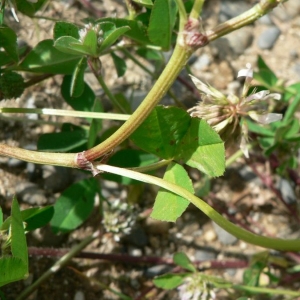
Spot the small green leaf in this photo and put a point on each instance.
(261, 130)
(34, 218)
(12, 269)
(169, 281)
(65, 29)
(137, 32)
(40, 217)
(74, 205)
(18, 239)
(71, 46)
(45, 58)
(183, 261)
(77, 82)
(65, 141)
(8, 41)
(119, 63)
(85, 102)
(113, 37)
(265, 75)
(168, 206)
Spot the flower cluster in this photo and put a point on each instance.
(226, 113)
(195, 288)
(119, 218)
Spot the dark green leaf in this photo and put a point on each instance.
(35, 217)
(8, 41)
(28, 8)
(183, 261)
(162, 131)
(168, 206)
(129, 158)
(74, 205)
(137, 32)
(39, 217)
(86, 100)
(64, 141)
(65, 29)
(45, 58)
(161, 22)
(119, 63)
(77, 81)
(4, 59)
(172, 133)
(169, 281)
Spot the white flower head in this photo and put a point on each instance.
(224, 113)
(195, 287)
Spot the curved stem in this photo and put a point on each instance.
(240, 233)
(177, 61)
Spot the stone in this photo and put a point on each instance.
(268, 38)
(30, 193)
(203, 255)
(223, 236)
(287, 191)
(241, 39)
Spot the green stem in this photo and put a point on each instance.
(162, 85)
(95, 66)
(182, 14)
(153, 166)
(36, 157)
(240, 233)
(58, 265)
(246, 18)
(62, 112)
(197, 9)
(263, 290)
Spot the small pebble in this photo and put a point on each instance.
(223, 236)
(157, 270)
(287, 191)
(203, 255)
(268, 38)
